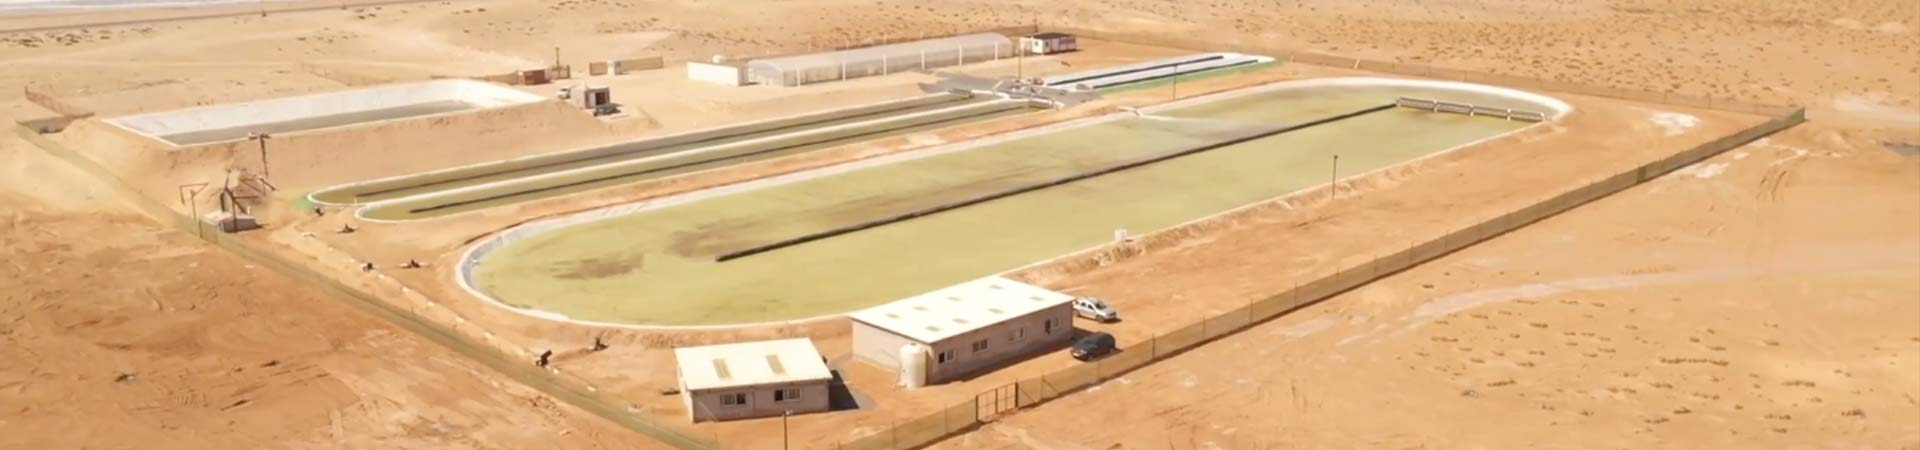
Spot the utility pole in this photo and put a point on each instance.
(556, 56)
(263, 8)
(784, 445)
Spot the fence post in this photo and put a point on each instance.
(1016, 393)
(1292, 302)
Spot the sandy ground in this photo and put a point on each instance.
(1832, 238)
(1718, 307)
(123, 334)
(1851, 60)
(1846, 61)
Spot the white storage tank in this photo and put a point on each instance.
(913, 366)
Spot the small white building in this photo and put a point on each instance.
(598, 99)
(752, 379)
(1049, 43)
(960, 330)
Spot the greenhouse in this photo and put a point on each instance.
(879, 60)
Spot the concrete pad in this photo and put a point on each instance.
(220, 123)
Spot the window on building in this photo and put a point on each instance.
(734, 399)
(1017, 334)
(980, 346)
(1049, 325)
(948, 355)
(787, 395)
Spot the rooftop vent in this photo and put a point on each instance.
(773, 361)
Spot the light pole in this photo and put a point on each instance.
(1176, 81)
(784, 445)
(1333, 179)
(1020, 59)
(262, 138)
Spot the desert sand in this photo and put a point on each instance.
(1850, 60)
(1718, 307)
(122, 333)
(1768, 298)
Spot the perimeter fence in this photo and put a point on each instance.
(989, 405)
(1025, 393)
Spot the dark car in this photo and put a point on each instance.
(1093, 346)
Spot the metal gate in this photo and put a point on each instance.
(991, 404)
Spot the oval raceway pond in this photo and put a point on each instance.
(654, 264)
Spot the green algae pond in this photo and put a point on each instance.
(657, 265)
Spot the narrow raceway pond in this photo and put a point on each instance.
(444, 192)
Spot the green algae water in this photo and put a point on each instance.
(656, 266)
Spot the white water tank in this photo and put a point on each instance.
(913, 366)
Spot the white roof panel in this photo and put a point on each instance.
(750, 363)
(960, 308)
(883, 52)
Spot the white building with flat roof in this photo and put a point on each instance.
(797, 70)
(1049, 43)
(752, 379)
(964, 328)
